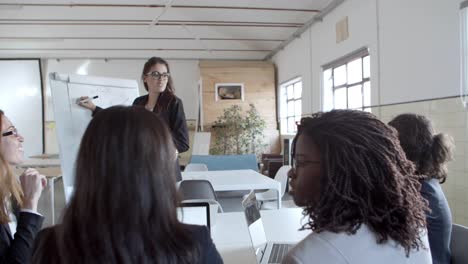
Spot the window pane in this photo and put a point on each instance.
(366, 66)
(283, 107)
(340, 98)
(368, 109)
(355, 71)
(291, 108)
(291, 125)
(297, 90)
(339, 75)
(290, 91)
(367, 95)
(355, 96)
(327, 90)
(284, 125)
(298, 108)
(297, 119)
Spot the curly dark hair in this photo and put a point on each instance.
(366, 179)
(430, 152)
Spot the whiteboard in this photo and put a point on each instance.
(21, 100)
(71, 120)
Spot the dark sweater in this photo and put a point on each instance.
(46, 247)
(18, 249)
(439, 221)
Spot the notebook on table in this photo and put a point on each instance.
(194, 214)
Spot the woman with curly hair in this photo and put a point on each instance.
(360, 193)
(430, 153)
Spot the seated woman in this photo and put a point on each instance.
(19, 220)
(123, 209)
(430, 154)
(359, 192)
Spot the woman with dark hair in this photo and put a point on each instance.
(19, 220)
(124, 205)
(359, 192)
(430, 153)
(161, 100)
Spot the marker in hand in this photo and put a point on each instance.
(88, 99)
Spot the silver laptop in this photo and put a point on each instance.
(194, 213)
(266, 252)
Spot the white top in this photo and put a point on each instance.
(360, 248)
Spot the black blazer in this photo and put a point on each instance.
(45, 248)
(174, 116)
(19, 248)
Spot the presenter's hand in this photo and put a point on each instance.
(32, 183)
(88, 104)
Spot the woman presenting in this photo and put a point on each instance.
(160, 100)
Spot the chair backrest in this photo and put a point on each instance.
(458, 244)
(196, 167)
(282, 176)
(227, 162)
(197, 189)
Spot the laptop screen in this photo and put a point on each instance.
(254, 220)
(194, 214)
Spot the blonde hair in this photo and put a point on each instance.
(10, 188)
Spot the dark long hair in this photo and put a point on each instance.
(124, 205)
(366, 179)
(430, 152)
(166, 97)
(10, 189)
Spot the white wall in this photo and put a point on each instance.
(415, 43)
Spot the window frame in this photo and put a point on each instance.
(283, 89)
(344, 61)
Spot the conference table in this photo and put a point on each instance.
(231, 236)
(236, 180)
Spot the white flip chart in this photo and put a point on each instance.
(72, 119)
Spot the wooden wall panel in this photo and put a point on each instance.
(258, 78)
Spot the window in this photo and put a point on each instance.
(346, 82)
(290, 105)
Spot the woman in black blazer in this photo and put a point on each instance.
(19, 220)
(124, 205)
(160, 100)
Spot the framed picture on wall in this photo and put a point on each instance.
(229, 91)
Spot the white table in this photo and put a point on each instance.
(231, 236)
(236, 180)
(39, 163)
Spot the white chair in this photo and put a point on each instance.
(271, 195)
(458, 244)
(196, 167)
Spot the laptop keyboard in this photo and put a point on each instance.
(278, 252)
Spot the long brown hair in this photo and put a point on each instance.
(166, 97)
(124, 205)
(366, 179)
(10, 189)
(429, 151)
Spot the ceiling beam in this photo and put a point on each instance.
(160, 6)
(135, 38)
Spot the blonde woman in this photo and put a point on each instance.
(19, 220)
